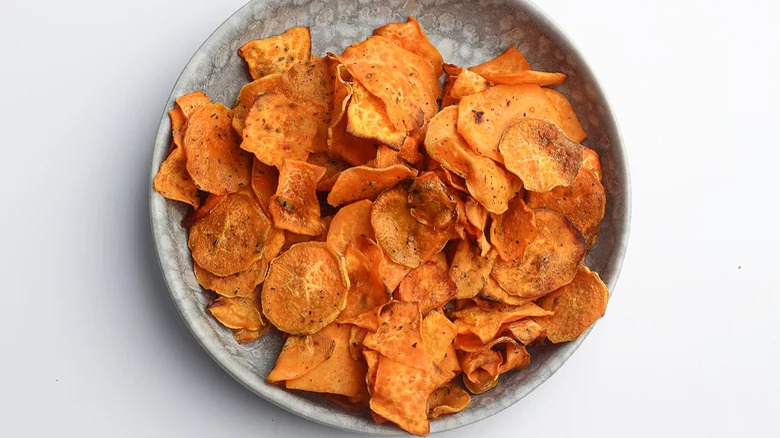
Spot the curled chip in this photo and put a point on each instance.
(214, 160)
(305, 289)
(390, 272)
(485, 323)
(583, 203)
(476, 220)
(483, 117)
(173, 181)
(366, 292)
(511, 231)
(591, 161)
(540, 154)
(515, 357)
(240, 284)
(480, 369)
(470, 342)
(367, 118)
(541, 78)
(398, 336)
(465, 82)
(363, 182)
(575, 306)
(301, 354)
(570, 124)
(265, 179)
(349, 223)
(243, 336)
(178, 122)
(430, 202)
(405, 240)
(525, 331)
(246, 98)
(205, 208)
(411, 37)
(232, 237)
(341, 144)
(447, 399)
(469, 270)
(237, 313)
(493, 292)
(277, 128)
(333, 167)
(295, 207)
(511, 61)
(429, 285)
(278, 53)
(549, 262)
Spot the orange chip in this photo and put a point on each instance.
(305, 289)
(591, 161)
(349, 223)
(386, 156)
(493, 292)
(243, 336)
(525, 331)
(511, 61)
(452, 180)
(483, 117)
(429, 285)
(173, 182)
(430, 202)
(583, 203)
(191, 102)
(485, 323)
(444, 145)
(356, 336)
(410, 149)
(237, 313)
(205, 208)
(476, 217)
(469, 270)
(550, 260)
(390, 272)
(405, 240)
(178, 122)
(366, 293)
(357, 403)
(515, 357)
(465, 82)
(300, 355)
(411, 37)
(214, 160)
(480, 369)
(265, 179)
(372, 361)
(295, 207)
(541, 78)
(569, 122)
(367, 118)
(437, 333)
(278, 53)
(398, 336)
(341, 144)
(470, 342)
(311, 84)
(447, 399)
(276, 240)
(575, 306)
(540, 154)
(240, 284)
(363, 182)
(246, 98)
(401, 395)
(511, 231)
(332, 166)
(232, 237)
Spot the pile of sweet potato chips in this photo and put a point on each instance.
(398, 234)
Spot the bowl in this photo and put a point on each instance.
(466, 33)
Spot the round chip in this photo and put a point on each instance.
(430, 203)
(305, 289)
(232, 237)
(363, 182)
(349, 223)
(511, 231)
(240, 284)
(429, 285)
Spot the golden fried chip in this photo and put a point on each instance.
(173, 181)
(525, 331)
(476, 221)
(265, 180)
(178, 123)
(540, 154)
(386, 156)
(311, 83)
(372, 361)
(232, 237)
(515, 357)
(205, 208)
(591, 161)
(469, 270)
(366, 293)
(400, 395)
(430, 202)
(367, 118)
(214, 160)
(550, 260)
(295, 207)
(511, 231)
(511, 61)
(349, 223)
(278, 53)
(405, 240)
(246, 98)
(429, 285)
(332, 166)
(390, 272)
(575, 306)
(356, 403)
(485, 323)
(398, 336)
(437, 333)
(483, 117)
(243, 336)
(240, 284)
(363, 182)
(191, 102)
(569, 122)
(541, 78)
(465, 82)
(447, 399)
(341, 144)
(494, 293)
(305, 289)
(300, 355)
(411, 37)
(470, 342)
(274, 244)
(480, 369)
(237, 313)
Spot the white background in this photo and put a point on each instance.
(93, 347)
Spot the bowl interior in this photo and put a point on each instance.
(466, 33)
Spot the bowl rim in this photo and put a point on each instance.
(250, 381)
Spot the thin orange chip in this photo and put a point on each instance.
(493, 292)
(480, 369)
(366, 293)
(430, 203)
(405, 240)
(246, 98)
(295, 207)
(178, 122)
(515, 357)
(411, 37)
(173, 181)
(570, 124)
(265, 179)
(349, 223)
(243, 336)
(363, 182)
(398, 336)
(575, 306)
(437, 333)
(240, 284)
(237, 313)
(465, 82)
(390, 272)
(550, 260)
(400, 395)
(476, 221)
(205, 208)
(485, 323)
(511, 61)
(372, 360)
(300, 355)
(332, 166)
(356, 336)
(278, 53)
(540, 154)
(341, 144)
(591, 161)
(429, 285)
(447, 399)
(232, 237)
(276, 240)
(541, 78)
(511, 231)
(410, 151)
(483, 117)
(214, 160)
(386, 156)
(305, 289)
(469, 270)
(525, 331)
(311, 83)
(367, 118)
(191, 102)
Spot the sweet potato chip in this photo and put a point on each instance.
(173, 181)
(511, 61)
(295, 207)
(232, 237)
(430, 203)
(575, 306)
(205, 208)
(569, 122)
(470, 342)
(494, 293)
(411, 37)
(265, 180)
(191, 102)
(429, 285)
(214, 160)
(469, 270)
(465, 82)
(410, 151)
(437, 333)
(367, 118)
(246, 98)
(398, 336)
(341, 144)
(278, 53)
(274, 244)
(476, 220)
(363, 182)
(372, 361)
(243, 336)
(525, 331)
(366, 292)
(178, 122)
(305, 289)
(237, 313)
(485, 323)
(549, 262)
(401, 395)
(511, 231)
(332, 166)
(541, 78)
(405, 240)
(349, 223)
(515, 357)
(483, 117)
(480, 369)
(540, 154)
(240, 284)
(301, 354)
(583, 203)
(447, 399)
(591, 161)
